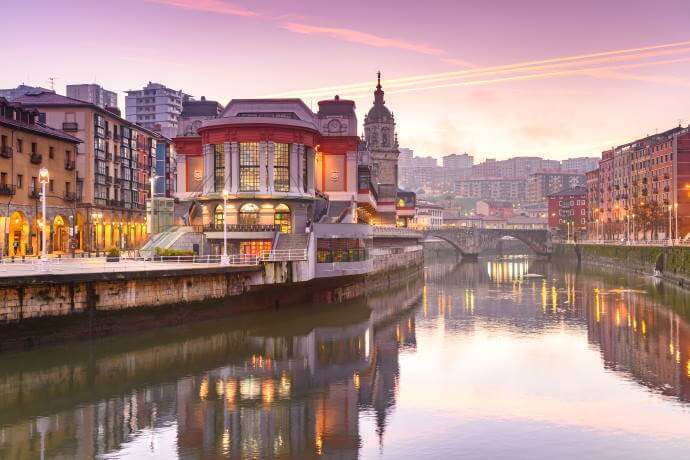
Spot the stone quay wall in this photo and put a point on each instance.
(673, 262)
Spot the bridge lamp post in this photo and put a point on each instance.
(224, 259)
(633, 228)
(43, 178)
(670, 235)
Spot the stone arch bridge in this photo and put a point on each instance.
(469, 241)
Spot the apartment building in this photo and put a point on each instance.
(93, 93)
(26, 146)
(155, 107)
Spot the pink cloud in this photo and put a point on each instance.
(363, 38)
(211, 6)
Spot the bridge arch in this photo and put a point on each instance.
(448, 240)
(471, 241)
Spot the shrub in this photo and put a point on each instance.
(114, 252)
(169, 252)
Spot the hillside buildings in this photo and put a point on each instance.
(94, 94)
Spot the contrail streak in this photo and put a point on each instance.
(526, 65)
(531, 76)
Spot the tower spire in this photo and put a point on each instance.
(378, 85)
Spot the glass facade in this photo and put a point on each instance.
(249, 166)
(282, 218)
(281, 168)
(218, 168)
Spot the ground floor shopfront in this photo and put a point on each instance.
(68, 230)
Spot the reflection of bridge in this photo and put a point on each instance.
(471, 241)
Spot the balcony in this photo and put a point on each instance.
(116, 159)
(70, 126)
(108, 133)
(7, 189)
(108, 156)
(243, 228)
(667, 188)
(116, 137)
(6, 151)
(69, 165)
(35, 194)
(70, 196)
(108, 180)
(36, 158)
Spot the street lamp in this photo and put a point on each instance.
(670, 236)
(675, 207)
(43, 178)
(633, 227)
(224, 259)
(153, 192)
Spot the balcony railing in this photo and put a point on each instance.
(108, 156)
(36, 158)
(242, 228)
(116, 137)
(116, 159)
(108, 180)
(69, 165)
(70, 196)
(70, 126)
(6, 151)
(35, 194)
(7, 189)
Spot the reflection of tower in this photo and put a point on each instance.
(380, 382)
(379, 130)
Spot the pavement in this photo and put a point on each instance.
(93, 265)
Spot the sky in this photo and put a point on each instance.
(496, 78)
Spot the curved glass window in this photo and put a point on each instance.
(218, 216)
(249, 214)
(283, 218)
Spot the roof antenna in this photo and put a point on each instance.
(52, 83)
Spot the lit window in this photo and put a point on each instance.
(249, 214)
(218, 167)
(281, 167)
(249, 166)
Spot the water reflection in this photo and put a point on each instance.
(485, 357)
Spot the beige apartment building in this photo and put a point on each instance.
(26, 146)
(113, 167)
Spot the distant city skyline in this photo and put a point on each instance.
(493, 81)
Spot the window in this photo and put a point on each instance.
(282, 219)
(249, 166)
(218, 216)
(20, 145)
(218, 167)
(281, 168)
(34, 181)
(34, 147)
(51, 185)
(3, 178)
(51, 152)
(20, 180)
(249, 214)
(305, 181)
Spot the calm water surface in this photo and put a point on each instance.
(473, 361)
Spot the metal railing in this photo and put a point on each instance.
(6, 151)
(242, 228)
(383, 230)
(662, 242)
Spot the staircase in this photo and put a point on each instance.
(287, 241)
(163, 240)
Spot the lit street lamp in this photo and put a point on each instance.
(43, 178)
(224, 259)
(670, 234)
(675, 207)
(633, 227)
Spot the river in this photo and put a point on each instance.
(469, 360)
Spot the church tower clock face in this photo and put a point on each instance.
(334, 126)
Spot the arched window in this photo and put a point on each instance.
(218, 216)
(249, 214)
(384, 137)
(283, 218)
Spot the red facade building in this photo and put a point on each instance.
(568, 210)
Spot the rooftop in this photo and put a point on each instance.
(573, 191)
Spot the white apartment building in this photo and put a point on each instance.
(155, 107)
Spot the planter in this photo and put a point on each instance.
(112, 258)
